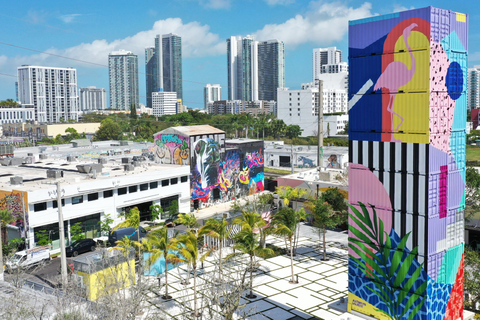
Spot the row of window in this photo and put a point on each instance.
(109, 193)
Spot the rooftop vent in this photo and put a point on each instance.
(54, 174)
(16, 180)
(88, 168)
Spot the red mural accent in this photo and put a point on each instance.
(423, 26)
(455, 303)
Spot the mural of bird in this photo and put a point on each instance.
(396, 75)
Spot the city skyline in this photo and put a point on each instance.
(85, 34)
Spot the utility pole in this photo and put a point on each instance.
(63, 255)
(320, 125)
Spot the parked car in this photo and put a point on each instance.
(121, 233)
(171, 221)
(81, 246)
(28, 258)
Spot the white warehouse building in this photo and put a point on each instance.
(114, 187)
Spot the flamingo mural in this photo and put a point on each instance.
(396, 75)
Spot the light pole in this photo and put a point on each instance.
(63, 255)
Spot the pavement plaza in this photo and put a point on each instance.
(321, 285)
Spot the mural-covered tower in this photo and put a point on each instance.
(220, 169)
(407, 134)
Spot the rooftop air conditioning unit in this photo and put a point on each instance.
(102, 160)
(54, 174)
(42, 156)
(125, 160)
(70, 158)
(129, 167)
(16, 180)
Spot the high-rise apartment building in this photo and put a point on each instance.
(92, 98)
(123, 77)
(163, 66)
(52, 92)
(254, 68)
(164, 103)
(473, 88)
(211, 92)
(271, 69)
(326, 56)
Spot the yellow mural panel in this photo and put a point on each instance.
(461, 17)
(360, 305)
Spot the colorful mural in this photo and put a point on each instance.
(172, 148)
(17, 203)
(407, 173)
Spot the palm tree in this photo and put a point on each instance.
(217, 229)
(188, 220)
(6, 217)
(285, 224)
(187, 246)
(159, 244)
(247, 241)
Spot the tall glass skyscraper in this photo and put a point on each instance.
(255, 69)
(271, 69)
(163, 66)
(123, 78)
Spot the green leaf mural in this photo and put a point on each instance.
(398, 280)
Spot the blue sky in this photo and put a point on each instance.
(86, 31)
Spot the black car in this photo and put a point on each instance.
(81, 246)
(171, 221)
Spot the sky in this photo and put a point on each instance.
(81, 34)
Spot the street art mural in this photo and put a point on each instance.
(239, 172)
(17, 203)
(333, 162)
(407, 171)
(172, 148)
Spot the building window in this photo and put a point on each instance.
(174, 181)
(92, 196)
(132, 189)
(153, 185)
(40, 206)
(55, 203)
(122, 191)
(184, 179)
(108, 193)
(144, 187)
(77, 200)
(165, 183)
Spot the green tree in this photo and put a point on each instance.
(336, 199)
(42, 238)
(472, 274)
(188, 219)
(247, 241)
(187, 246)
(285, 223)
(108, 130)
(76, 232)
(218, 229)
(156, 211)
(293, 131)
(472, 193)
(158, 244)
(287, 193)
(6, 217)
(9, 103)
(323, 217)
(106, 224)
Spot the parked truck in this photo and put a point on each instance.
(28, 258)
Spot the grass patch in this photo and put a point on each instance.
(473, 153)
(278, 171)
(277, 251)
(55, 255)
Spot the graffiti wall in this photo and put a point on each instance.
(17, 203)
(224, 176)
(407, 133)
(172, 149)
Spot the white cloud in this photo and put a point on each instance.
(279, 2)
(216, 4)
(400, 8)
(68, 18)
(322, 24)
(197, 40)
